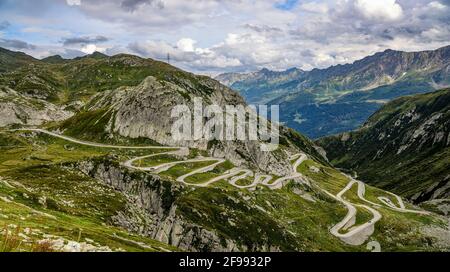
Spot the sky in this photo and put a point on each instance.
(215, 36)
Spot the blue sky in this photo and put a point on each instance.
(286, 5)
(213, 36)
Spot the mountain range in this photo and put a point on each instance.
(88, 163)
(323, 102)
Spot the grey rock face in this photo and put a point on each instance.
(18, 109)
(145, 111)
(152, 211)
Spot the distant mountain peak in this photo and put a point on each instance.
(95, 55)
(54, 59)
(346, 94)
(294, 69)
(98, 55)
(289, 70)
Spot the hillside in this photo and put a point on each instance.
(110, 175)
(403, 147)
(10, 60)
(54, 59)
(135, 94)
(323, 102)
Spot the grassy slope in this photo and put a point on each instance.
(10, 60)
(282, 218)
(79, 79)
(292, 222)
(40, 169)
(80, 208)
(408, 172)
(395, 231)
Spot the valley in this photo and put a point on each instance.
(324, 102)
(88, 163)
(353, 229)
(403, 147)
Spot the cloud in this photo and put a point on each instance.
(138, 15)
(16, 44)
(232, 35)
(91, 48)
(437, 33)
(437, 5)
(379, 9)
(50, 32)
(84, 40)
(315, 7)
(132, 5)
(186, 45)
(73, 2)
(185, 54)
(4, 25)
(262, 28)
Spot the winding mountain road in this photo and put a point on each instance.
(344, 230)
(356, 235)
(183, 151)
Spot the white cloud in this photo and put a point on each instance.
(184, 54)
(91, 48)
(315, 7)
(436, 33)
(437, 5)
(379, 9)
(73, 2)
(186, 45)
(232, 35)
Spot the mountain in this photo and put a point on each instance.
(340, 98)
(230, 78)
(54, 59)
(95, 55)
(404, 147)
(107, 175)
(144, 111)
(258, 87)
(10, 60)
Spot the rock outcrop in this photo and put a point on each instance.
(21, 110)
(144, 111)
(152, 209)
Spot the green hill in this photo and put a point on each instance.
(10, 60)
